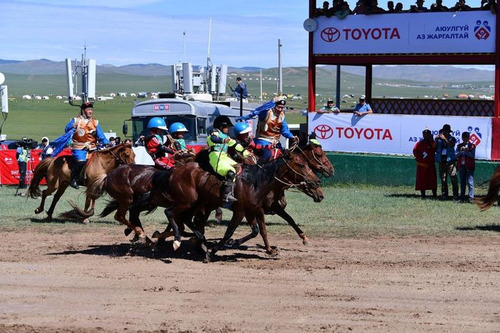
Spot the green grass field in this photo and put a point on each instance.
(347, 211)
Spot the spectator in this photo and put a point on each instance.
(399, 8)
(424, 151)
(461, 6)
(271, 126)
(329, 108)
(344, 10)
(325, 10)
(362, 7)
(362, 108)
(445, 156)
(438, 7)
(112, 142)
(46, 148)
(420, 8)
(22, 156)
(466, 153)
(374, 8)
(390, 7)
(241, 89)
(490, 5)
(118, 140)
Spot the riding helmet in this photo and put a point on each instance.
(242, 128)
(157, 122)
(222, 121)
(177, 127)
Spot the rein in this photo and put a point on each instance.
(322, 166)
(118, 159)
(293, 185)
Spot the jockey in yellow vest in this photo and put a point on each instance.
(219, 141)
(87, 134)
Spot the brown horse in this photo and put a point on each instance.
(57, 170)
(276, 202)
(189, 191)
(492, 196)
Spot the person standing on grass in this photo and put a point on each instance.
(447, 159)
(466, 154)
(424, 151)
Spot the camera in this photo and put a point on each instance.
(27, 143)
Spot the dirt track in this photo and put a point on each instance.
(84, 281)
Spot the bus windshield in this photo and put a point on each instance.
(140, 126)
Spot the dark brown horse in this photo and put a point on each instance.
(492, 196)
(57, 170)
(189, 191)
(276, 202)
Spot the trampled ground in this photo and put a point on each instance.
(90, 279)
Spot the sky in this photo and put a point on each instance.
(122, 32)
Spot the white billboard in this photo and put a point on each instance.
(406, 33)
(393, 134)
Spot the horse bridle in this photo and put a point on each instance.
(119, 160)
(304, 182)
(321, 165)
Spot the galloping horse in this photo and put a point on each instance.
(276, 202)
(56, 170)
(492, 196)
(189, 191)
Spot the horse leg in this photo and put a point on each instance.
(255, 231)
(60, 191)
(233, 224)
(280, 211)
(218, 215)
(120, 216)
(263, 233)
(45, 193)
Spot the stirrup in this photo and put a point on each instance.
(74, 184)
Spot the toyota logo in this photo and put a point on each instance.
(330, 34)
(323, 132)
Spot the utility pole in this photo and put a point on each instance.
(280, 74)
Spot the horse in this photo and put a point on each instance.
(126, 184)
(189, 190)
(57, 172)
(492, 196)
(276, 202)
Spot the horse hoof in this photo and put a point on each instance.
(272, 252)
(156, 234)
(38, 211)
(305, 241)
(127, 231)
(176, 245)
(86, 221)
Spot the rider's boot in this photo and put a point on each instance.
(227, 188)
(75, 174)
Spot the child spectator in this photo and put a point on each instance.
(466, 153)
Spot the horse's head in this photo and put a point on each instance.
(123, 153)
(298, 173)
(317, 159)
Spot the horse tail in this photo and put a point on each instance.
(492, 196)
(39, 173)
(97, 187)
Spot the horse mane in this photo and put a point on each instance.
(161, 178)
(266, 171)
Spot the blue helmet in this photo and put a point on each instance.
(177, 127)
(157, 122)
(242, 128)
